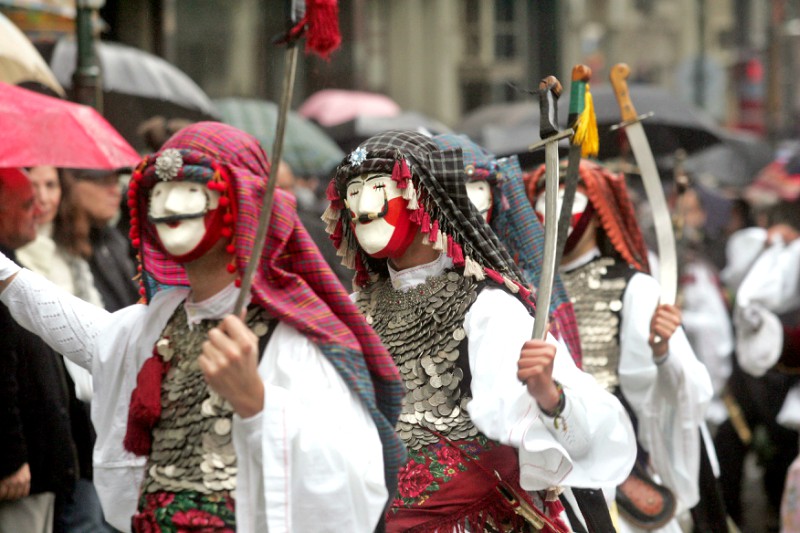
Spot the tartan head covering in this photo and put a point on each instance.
(293, 282)
(432, 181)
(609, 196)
(516, 224)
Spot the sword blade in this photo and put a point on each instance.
(665, 237)
(269, 195)
(570, 187)
(550, 233)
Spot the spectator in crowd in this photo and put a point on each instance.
(37, 451)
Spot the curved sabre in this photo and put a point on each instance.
(668, 262)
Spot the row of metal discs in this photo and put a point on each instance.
(423, 329)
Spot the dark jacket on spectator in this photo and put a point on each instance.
(35, 422)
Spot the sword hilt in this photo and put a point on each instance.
(581, 74)
(549, 92)
(619, 82)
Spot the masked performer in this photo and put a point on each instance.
(282, 421)
(445, 297)
(633, 345)
(496, 189)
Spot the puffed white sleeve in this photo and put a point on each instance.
(65, 322)
(670, 398)
(312, 460)
(593, 446)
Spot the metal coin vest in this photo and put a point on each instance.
(596, 290)
(423, 329)
(192, 443)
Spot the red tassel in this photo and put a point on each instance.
(145, 408)
(494, 276)
(323, 35)
(434, 232)
(397, 175)
(416, 216)
(426, 223)
(331, 193)
(449, 246)
(458, 255)
(405, 173)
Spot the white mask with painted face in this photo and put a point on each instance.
(578, 206)
(177, 210)
(480, 194)
(378, 214)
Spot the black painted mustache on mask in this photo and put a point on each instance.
(175, 218)
(367, 217)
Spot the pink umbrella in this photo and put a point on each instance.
(41, 130)
(330, 107)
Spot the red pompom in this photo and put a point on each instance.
(231, 268)
(224, 201)
(231, 249)
(322, 19)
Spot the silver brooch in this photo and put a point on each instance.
(357, 156)
(168, 164)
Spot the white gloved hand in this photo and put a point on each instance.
(7, 267)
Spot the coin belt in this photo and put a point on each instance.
(597, 299)
(423, 329)
(192, 443)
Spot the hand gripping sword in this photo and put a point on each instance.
(549, 91)
(665, 237)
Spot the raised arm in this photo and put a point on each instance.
(66, 323)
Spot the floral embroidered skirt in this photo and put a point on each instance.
(442, 488)
(188, 511)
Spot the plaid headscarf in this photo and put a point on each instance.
(609, 196)
(516, 224)
(293, 282)
(432, 180)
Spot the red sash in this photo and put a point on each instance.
(442, 486)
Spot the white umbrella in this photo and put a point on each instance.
(20, 61)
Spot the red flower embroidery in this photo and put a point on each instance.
(197, 521)
(145, 522)
(413, 479)
(160, 500)
(448, 456)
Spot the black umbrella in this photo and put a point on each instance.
(137, 85)
(733, 162)
(350, 134)
(510, 128)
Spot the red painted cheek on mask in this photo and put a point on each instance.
(572, 221)
(404, 230)
(213, 225)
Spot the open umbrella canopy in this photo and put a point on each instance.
(306, 147)
(330, 107)
(20, 62)
(510, 128)
(137, 85)
(42, 130)
(350, 134)
(778, 181)
(734, 162)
